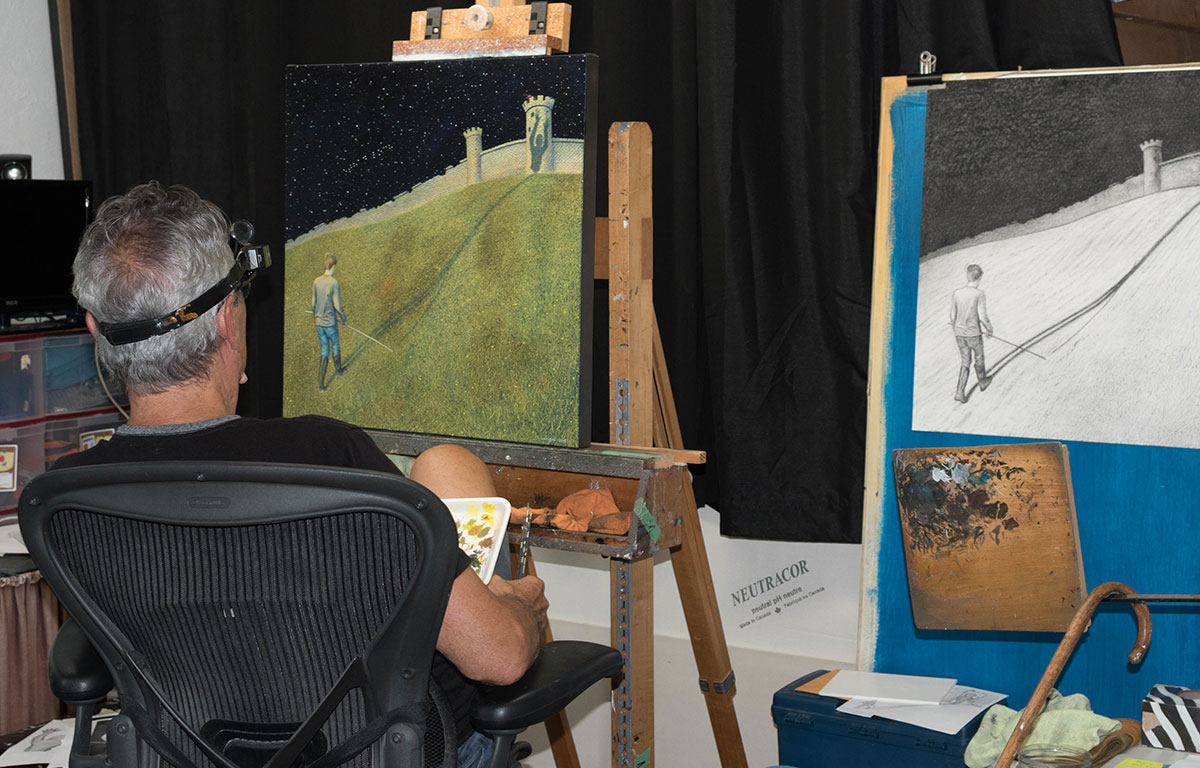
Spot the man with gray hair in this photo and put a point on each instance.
(165, 299)
(968, 315)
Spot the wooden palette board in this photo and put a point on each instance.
(990, 536)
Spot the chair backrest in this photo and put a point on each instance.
(239, 604)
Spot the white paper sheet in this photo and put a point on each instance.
(11, 542)
(49, 745)
(957, 708)
(904, 689)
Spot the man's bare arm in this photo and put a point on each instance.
(492, 633)
(984, 320)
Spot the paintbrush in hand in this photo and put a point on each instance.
(523, 546)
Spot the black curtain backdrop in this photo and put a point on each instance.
(765, 119)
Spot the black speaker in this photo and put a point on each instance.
(16, 167)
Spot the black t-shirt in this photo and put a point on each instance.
(299, 440)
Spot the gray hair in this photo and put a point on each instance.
(974, 271)
(149, 252)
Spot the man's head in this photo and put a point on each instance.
(330, 262)
(149, 252)
(974, 272)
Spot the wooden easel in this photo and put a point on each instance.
(650, 482)
(642, 412)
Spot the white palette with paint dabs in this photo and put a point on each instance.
(482, 524)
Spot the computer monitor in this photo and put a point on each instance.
(41, 221)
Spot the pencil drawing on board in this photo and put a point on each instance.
(439, 246)
(1060, 251)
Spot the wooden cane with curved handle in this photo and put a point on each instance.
(1066, 647)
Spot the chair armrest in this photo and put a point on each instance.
(77, 673)
(563, 670)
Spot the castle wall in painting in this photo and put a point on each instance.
(510, 158)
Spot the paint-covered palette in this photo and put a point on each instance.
(990, 536)
(482, 523)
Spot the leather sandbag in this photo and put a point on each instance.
(575, 512)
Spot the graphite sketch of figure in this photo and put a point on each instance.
(968, 315)
(327, 310)
(1086, 237)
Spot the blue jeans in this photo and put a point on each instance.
(503, 566)
(328, 336)
(475, 752)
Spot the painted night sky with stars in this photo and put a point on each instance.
(360, 134)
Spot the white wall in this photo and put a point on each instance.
(28, 99)
(815, 627)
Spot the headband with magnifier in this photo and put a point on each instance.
(247, 261)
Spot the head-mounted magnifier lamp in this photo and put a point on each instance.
(247, 261)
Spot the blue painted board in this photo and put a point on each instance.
(1138, 515)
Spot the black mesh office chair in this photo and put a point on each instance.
(265, 615)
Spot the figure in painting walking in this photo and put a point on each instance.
(327, 310)
(968, 315)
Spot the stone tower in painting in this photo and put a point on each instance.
(1151, 166)
(474, 137)
(539, 139)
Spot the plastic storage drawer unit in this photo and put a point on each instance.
(20, 378)
(78, 432)
(812, 732)
(22, 458)
(72, 382)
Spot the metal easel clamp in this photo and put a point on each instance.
(724, 686)
(433, 23)
(928, 64)
(538, 16)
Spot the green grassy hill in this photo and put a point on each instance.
(476, 293)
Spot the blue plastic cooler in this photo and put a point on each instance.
(812, 732)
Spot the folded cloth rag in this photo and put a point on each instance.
(1066, 720)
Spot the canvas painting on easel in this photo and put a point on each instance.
(1060, 218)
(439, 246)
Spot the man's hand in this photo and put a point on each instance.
(493, 632)
(987, 331)
(529, 591)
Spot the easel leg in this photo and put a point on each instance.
(558, 728)
(692, 574)
(694, 580)
(633, 634)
